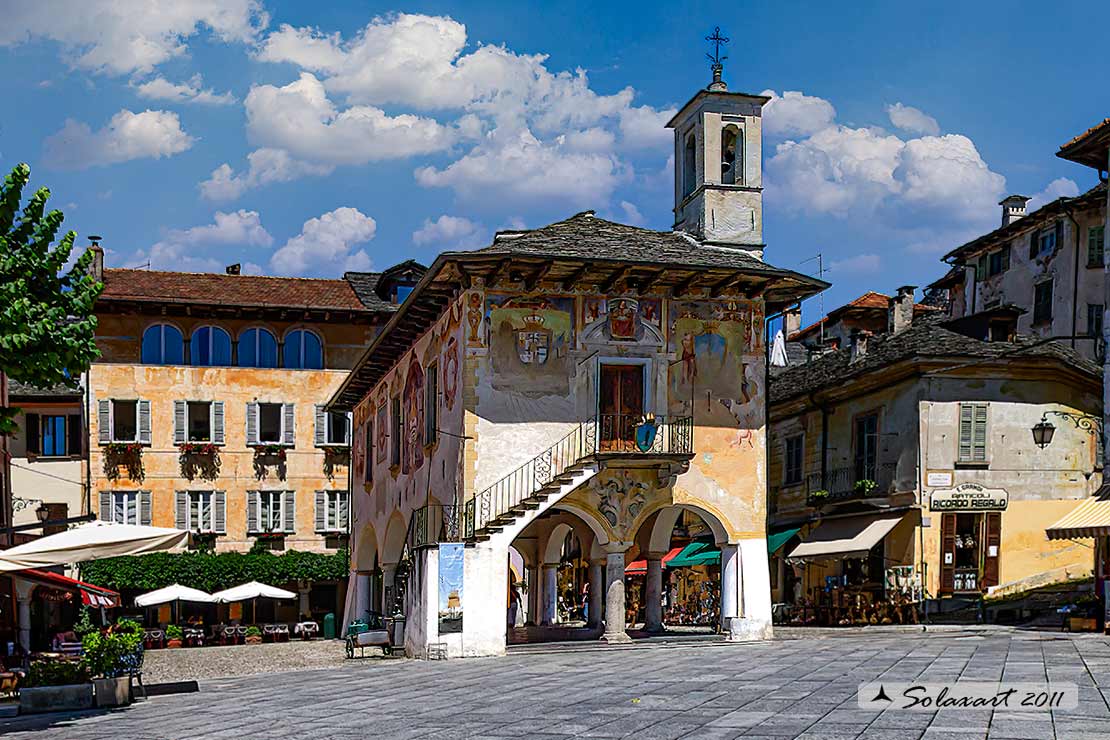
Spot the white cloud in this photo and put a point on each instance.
(183, 249)
(186, 92)
(510, 105)
(944, 177)
(150, 134)
(448, 232)
(861, 264)
(325, 245)
(911, 120)
(632, 214)
(521, 167)
(264, 166)
(118, 38)
(300, 119)
(1061, 187)
(795, 114)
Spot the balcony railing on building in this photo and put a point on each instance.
(851, 483)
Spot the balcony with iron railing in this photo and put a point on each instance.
(605, 437)
(851, 483)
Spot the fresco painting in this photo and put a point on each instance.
(382, 432)
(412, 456)
(530, 339)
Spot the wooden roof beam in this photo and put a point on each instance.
(498, 271)
(612, 280)
(721, 286)
(570, 280)
(534, 279)
(648, 284)
(684, 287)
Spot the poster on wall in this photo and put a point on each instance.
(450, 587)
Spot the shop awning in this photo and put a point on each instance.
(696, 553)
(90, 541)
(778, 539)
(639, 567)
(850, 537)
(1090, 519)
(95, 596)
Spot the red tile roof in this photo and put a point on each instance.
(228, 290)
(868, 301)
(1089, 147)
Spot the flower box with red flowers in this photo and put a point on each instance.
(270, 451)
(198, 448)
(123, 448)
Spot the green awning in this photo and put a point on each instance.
(778, 539)
(696, 553)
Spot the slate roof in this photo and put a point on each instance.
(208, 289)
(365, 285)
(869, 301)
(23, 390)
(927, 338)
(586, 236)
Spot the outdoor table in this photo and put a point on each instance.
(194, 636)
(231, 634)
(306, 630)
(276, 631)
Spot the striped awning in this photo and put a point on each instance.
(1090, 519)
(91, 595)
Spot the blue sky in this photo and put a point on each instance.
(307, 138)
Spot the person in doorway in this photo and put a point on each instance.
(514, 606)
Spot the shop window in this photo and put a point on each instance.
(163, 344)
(970, 544)
(303, 351)
(793, 463)
(210, 346)
(258, 348)
(1042, 302)
(973, 433)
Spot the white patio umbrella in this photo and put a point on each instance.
(778, 350)
(252, 592)
(90, 541)
(175, 594)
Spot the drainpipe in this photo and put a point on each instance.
(1074, 277)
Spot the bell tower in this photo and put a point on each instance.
(718, 172)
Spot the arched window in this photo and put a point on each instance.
(258, 348)
(163, 345)
(732, 156)
(303, 351)
(210, 346)
(689, 166)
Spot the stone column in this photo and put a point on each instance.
(389, 570)
(303, 587)
(730, 587)
(755, 592)
(362, 595)
(532, 615)
(614, 594)
(653, 593)
(550, 593)
(23, 591)
(597, 593)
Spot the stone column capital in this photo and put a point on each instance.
(617, 547)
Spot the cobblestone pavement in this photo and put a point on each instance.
(240, 660)
(801, 687)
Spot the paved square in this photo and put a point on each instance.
(787, 688)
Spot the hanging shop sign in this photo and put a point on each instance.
(968, 497)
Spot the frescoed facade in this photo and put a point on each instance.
(568, 399)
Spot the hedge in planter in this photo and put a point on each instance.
(213, 571)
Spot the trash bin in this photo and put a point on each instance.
(329, 626)
(397, 632)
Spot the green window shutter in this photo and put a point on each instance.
(1034, 242)
(979, 437)
(967, 415)
(1005, 258)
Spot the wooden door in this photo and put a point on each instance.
(992, 543)
(620, 405)
(947, 552)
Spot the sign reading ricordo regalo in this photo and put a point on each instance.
(968, 497)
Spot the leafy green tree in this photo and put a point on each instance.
(47, 323)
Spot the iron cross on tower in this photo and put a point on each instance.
(716, 58)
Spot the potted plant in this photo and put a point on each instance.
(254, 636)
(55, 686)
(174, 636)
(865, 487)
(819, 496)
(199, 459)
(109, 657)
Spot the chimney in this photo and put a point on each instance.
(233, 269)
(859, 344)
(900, 310)
(96, 268)
(1013, 208)
(791, 321)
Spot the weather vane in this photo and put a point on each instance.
(716, 58)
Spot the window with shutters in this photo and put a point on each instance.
(53, 435)
(866, 440)
(395, 426)
(333, 428)
(792, 469)
(1046, 242)
(998, 262)
(272, 511)
(125, 507)
(270, 423)
(1094, 319)
(332, 511)
(1042, 302)
(431, 405)
(973, 433)
(1096, 246)
(199, 421)
(125, 421)
(203, 511)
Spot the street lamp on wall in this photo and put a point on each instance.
(42, 512)
(1042, 432)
